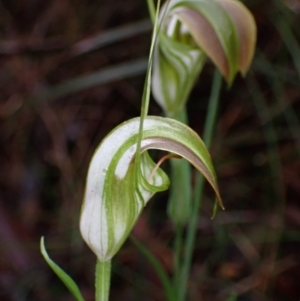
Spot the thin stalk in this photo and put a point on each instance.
(198, 190)
(151, 8)
(178, 242)
(212, 109)
(147, 86)
(179, 203)
(102, 280)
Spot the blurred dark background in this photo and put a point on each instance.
(73, 70)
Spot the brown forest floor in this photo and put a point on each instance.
(50, 124)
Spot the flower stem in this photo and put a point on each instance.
(178, 240)
(198, 190)
(102, 281)
(179, 203)
(151, 8)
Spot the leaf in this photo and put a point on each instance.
(63, 276)
(118, 186)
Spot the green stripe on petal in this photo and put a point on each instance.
(176, 67)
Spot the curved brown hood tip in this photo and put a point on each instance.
(207, 39)
(246, 28)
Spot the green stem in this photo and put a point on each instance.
(147, 87)
(179, 203)
(198, 190)
(178, 241)
(151, 9)
(212, 109)
(102, 281)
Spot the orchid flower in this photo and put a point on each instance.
(191, 30)
(120, 183)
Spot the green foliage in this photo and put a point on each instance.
(62, 275)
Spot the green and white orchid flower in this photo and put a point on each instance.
(120, 183)
(191, 30)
